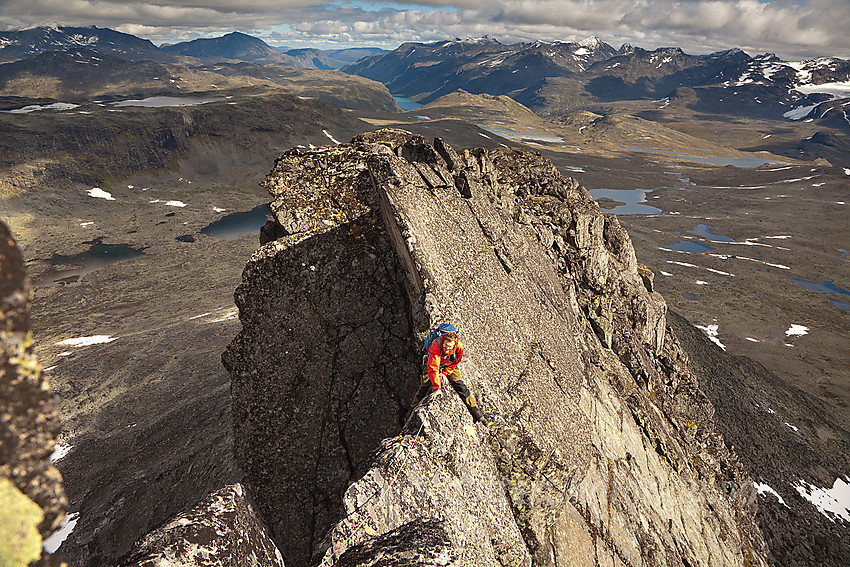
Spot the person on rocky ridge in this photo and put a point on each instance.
(441, 359)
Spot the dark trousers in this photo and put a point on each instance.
(455, 380)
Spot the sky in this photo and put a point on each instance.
(793, 29)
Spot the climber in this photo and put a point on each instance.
(442, 353)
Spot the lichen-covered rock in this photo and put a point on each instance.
(602, 449)
(31, 494)
(222, 531)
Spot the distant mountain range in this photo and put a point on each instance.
(551, 78)
(24, 44)
(235, 46)
(554, 78)
(79, 64)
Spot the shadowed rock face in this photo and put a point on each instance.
(223, 529)
(602, 449)
(31, 496)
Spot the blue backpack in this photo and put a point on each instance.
(441, 330)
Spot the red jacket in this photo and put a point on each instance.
(438, 363)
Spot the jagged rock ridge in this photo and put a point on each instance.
(602, 449)
(32, 499)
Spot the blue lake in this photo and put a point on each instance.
(743, 161)
(234, 225)
(633, 199)
(705, 231)
(405, 103)
(66, 270)
(689, 246)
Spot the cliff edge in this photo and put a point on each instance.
(601, 449)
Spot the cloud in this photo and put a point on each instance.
(791, 28)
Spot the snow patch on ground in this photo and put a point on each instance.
(219, 209)
(52, 543)
(712, 332)
(87, 341)
(331, 138)
(831, 502)
(227, 316)
(682, 264)
(837, 90)
(99, 193)
(792, 427)
(59, 451)
(34, 107)
(796, 331)
(752, 340)
(700, 282)
(799, 113)
(663, 273)
(766, 489)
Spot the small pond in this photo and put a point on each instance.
(66, 270)
(689, 246)
(234, 225)
(704, 230)
(827, 288)
(743, 161)
(160, 101)
(405, 103)
(633, 199)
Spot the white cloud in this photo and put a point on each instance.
(791, 28)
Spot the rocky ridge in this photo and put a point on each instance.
(31, 494)
(602, 449)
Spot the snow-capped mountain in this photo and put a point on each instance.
(428, 71)
(23, 44)
(795, 90)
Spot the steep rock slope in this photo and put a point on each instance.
(602, 450)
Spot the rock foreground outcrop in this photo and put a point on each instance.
(32, 500)
(223, 529)
(602, 450)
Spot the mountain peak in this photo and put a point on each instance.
(591, 42)
(483, 40)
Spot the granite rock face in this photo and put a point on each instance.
(222, 530)
(31, 493)
(601, 449)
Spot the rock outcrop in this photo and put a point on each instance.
(602, 450)
(31, 496)
(222, 530)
